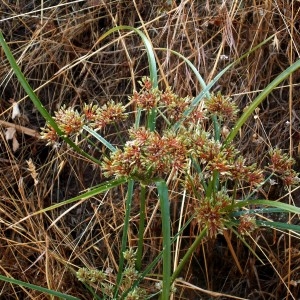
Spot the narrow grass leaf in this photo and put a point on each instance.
(92, 192)
(258, 100)
(191, 65)
(283, 206)
(148, 46)
(162, 189)
(37, 288)
(25, 84)
(100, 138)
(124, 236)
(278, 225)
(139, 253)
(261, 210)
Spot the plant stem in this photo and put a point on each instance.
(166, 232)
(139, 253)
(124, 237)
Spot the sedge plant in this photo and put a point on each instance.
(172, 139)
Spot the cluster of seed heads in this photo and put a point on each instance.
(190, 153)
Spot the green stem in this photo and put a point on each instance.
(138, 119)
(216, 174)
(151, 119)
(213, 186)
(216, 128)
(139, 253)
(124, 237)
(155, 261)
(37, 288)
(166, 232)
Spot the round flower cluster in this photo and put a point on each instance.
(71, 121)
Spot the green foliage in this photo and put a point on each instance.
(37, 288)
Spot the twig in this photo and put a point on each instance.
(20, 128)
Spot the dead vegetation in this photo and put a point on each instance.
(57, 47)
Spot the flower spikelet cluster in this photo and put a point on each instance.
(226, 160)
(221, 106)
(247, 224)
(91, 112)
(198, 140)
(49, 134)
(130, 257)
(250, 174)
(136, 294)
(148, 97)
(172, 105)
(282, 165)
(93, 275)
(70, 121)
(130, 274)
(175, 106)
(109, 113)
(147, 155)
(211, 213)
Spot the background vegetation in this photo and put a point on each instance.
(57, 47)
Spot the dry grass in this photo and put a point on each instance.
(58, 50)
